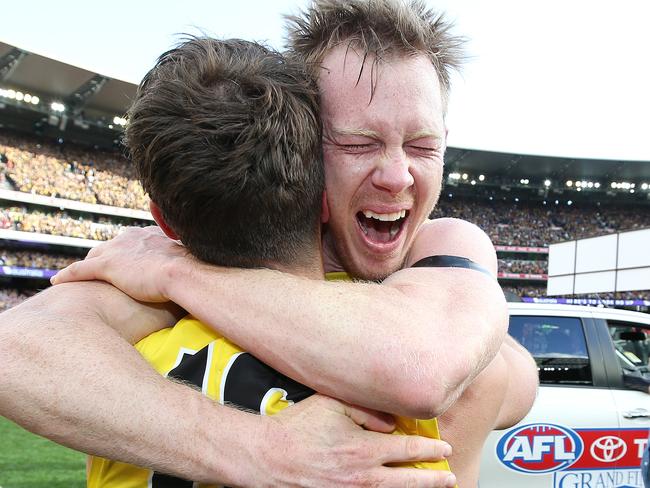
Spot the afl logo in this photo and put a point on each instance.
(539, 448)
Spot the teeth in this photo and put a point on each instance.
(389, 217)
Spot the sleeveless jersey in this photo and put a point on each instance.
(193, 352)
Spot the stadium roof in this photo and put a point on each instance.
(521, 165)
(45, 77)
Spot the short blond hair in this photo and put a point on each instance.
(382, 28)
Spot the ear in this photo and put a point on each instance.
(325, 210)
(157, 216)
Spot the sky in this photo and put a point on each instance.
(567, 78)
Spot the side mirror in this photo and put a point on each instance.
(635, 380)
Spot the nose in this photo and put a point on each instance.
(393, 174)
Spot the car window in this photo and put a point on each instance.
(632, 343)
(558, 345)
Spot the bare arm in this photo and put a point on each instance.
(343, 339)
(499, 397)
(69, 377)
(522, 382)
(47, 337)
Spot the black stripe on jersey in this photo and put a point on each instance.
(444, 261)
(190, 369)
(245, 385)
(160, 480)
(249, 379)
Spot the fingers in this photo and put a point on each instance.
(94, 251)
(78, 271)
(416, 478)
(403, 448)
(356, 457)
(370, 419)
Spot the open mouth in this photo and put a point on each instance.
(382, 228)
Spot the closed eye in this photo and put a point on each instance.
(357, 148)
(428, 146)
(425, 150)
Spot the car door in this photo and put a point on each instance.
(574, 406)
(630, 343)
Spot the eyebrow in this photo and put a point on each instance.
(422, 133)
(344, 131)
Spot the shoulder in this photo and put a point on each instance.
(451, 237)
(454, 237)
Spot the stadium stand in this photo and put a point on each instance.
(34, 259)
(36, 166)
(522, 266)
(534, 224)
(61, 223)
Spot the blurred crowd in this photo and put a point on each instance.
(537, 225)
(60, 223)
(35, 259)
(73, 173)
(10, 297)
(526, 290)
(522, 266)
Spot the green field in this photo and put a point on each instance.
(29, 461)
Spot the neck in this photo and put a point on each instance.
(307, 265)
(331, 261)
(312, 269)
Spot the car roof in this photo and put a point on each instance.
(520, 308)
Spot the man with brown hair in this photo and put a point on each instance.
(225, 136)
(383, 76)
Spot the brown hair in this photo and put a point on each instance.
(378, 27)
(226, 139)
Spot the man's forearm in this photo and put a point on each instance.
(71, 379)
(373, 345)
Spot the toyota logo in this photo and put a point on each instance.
(608, 449)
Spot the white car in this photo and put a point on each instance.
(590, 422)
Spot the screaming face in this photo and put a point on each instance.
(383, 148)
